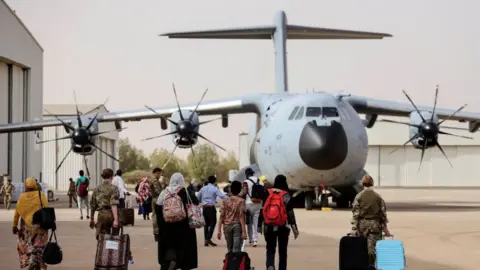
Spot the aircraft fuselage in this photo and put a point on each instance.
(312, 139)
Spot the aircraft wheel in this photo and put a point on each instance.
(308, 200)
(324, 200)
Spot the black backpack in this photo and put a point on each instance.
(258, 191)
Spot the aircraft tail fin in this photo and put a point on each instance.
(279, 32)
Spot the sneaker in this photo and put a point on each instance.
(88, 217)
(81, 218)
(254, 244)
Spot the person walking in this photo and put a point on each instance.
(120, 183)
(7, 191)
(157, 185)
(208, 197)
(81, 185)
(254, 196)
(72, 194)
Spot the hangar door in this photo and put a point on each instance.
(401, 168)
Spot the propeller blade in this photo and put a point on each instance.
(455, 135)
(63, 160)
(410, 140)
(171, 154)
(415, 106)
(423, 153)
(57, 139)
(166, 134)
(453, 114)
(193, 157)
(198, 104)
(161, 117)
(201, 136)
(97, 107)
(398, 122)
(76, 106)
(443, 152)
(61, 121)
(101, 150)
(86, 165)
(208, 121)
(434, 104)
(93, 120)
(178, 104)
(107, 131)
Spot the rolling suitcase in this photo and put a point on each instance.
(127, 214)
(353, 253)
(113, 252)
(390, 255)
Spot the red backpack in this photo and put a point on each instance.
(274, 210)
(82, 189)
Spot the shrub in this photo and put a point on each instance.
(134, 177)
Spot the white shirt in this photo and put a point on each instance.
(250, 186)
(118, 181)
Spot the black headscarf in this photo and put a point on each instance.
(281, 182)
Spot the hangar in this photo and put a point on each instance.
(21, 95)
(401, 168)
(55, 151)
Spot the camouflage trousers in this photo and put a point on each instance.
(154, 218)
(372, 230)
(104, 223)
(7, 201)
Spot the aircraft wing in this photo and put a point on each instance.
(371, 106)
(227, 106)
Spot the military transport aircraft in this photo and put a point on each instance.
(315, 139)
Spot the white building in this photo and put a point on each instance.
(400, 169)
(53, 152)
(21, 95)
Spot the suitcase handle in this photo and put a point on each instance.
(391, 236)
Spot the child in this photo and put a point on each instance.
(232, 217)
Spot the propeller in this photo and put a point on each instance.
(428, 129)
(80, 136)
(185, 128)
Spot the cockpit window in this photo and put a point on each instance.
(314, 112)
(330, 112)
(300, 113)
(294, 112)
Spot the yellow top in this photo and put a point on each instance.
(28, 203)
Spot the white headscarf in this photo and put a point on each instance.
(176, 181)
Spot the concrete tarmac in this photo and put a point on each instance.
(438, 227)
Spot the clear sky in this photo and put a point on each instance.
(111, 48)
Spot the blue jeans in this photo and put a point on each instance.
(279, 236)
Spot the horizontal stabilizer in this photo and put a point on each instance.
(266, 32)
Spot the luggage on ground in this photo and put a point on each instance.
(353, 253)
(52, 254)
(127, 214)
(236, 261)
(173, 208)
(390, 254)
(113, 252)
(274, 210)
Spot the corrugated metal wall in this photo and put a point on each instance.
(53, 153)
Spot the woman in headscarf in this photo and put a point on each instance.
(31, 238)
(177, 246)
(280, 234)
(145, 197)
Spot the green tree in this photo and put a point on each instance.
(204, 163)
(132, 158)
(159, 158)
(230, 162)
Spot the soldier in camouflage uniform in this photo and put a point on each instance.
(105, 199)
(369, 216)
(7, 190)
(157, 184)
(72, 194)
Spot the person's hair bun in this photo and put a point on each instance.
(107, 173)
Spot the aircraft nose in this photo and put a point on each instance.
(323, 147)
